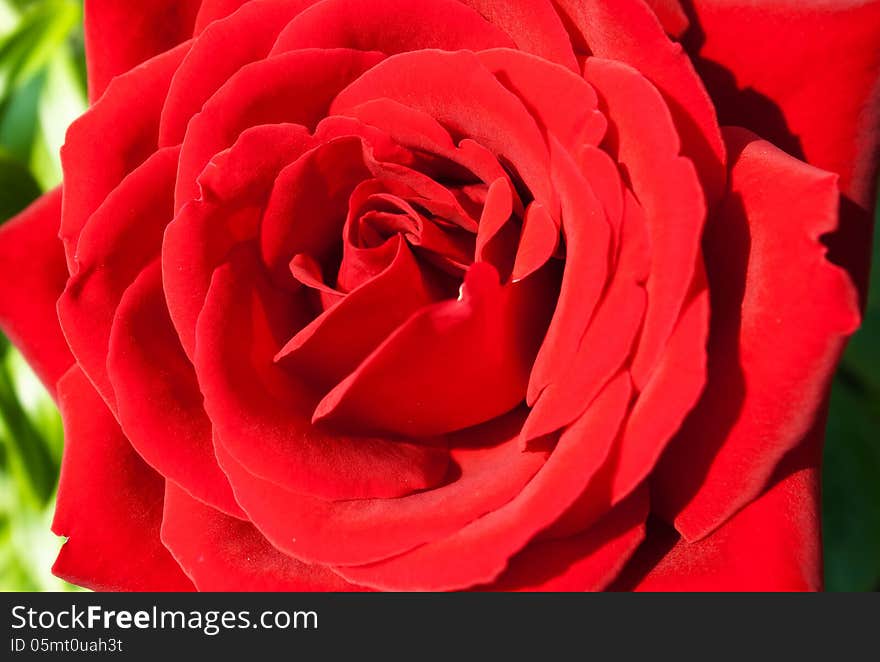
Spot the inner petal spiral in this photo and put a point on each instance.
(413, 265)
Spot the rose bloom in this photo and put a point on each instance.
(451, 294)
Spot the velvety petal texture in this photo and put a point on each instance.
(771, 545)
(450, 294)
(752, 58)
(118, 39)
(773, 350)
(112, 543)
(221, 553)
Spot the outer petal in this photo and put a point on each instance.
(780, 315)
(390, 26)
(627, 30)
(671, 15)
(120, 36)
(295, 87)
(109, 502)
(667, 186)
(214, 10)
(100, 150)
(221, 553)
(588, 561)
(121, 238)
(224, 48)
(159, 405)
(32, 276)
(478, 553)
(490, 470)
(804, 74)
(561, 101)
(771, 545)
(534, 27)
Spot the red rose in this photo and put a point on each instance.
(449, 294)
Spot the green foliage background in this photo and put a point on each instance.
(42, 89)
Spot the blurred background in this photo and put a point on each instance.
(43, 88)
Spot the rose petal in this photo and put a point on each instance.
(214, 10)
(118, 39)
(793, 111)
(537, 243)
(261, 414)
(606, 181)
(588, 239)
(829, 118)
(307, 271)
(390, 26)
(607, 341)
(112, 518)
(224, 47)
(562, 102)
(481, 349)
(221, 553)
(421, 189)
(671, 16)
(121, 238)
(669, 395)
(588, 561)
(158, 400)
(534, 27)
(666, 185)
(773, 544)
(653, 420)
(457, 91)
(336, 342)
(773, 349)
(236, 186)
(477, 553)
(295, 87)
(100, 150)
(496, 236)
(629, 32)
(33, 273)
(418, 131)
(488, 470)
(307, 208)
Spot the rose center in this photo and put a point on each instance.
(422, 272)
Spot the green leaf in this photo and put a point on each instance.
(42, 86)
(30, 451)
(62, 101)
(17, 187)
(29, 455)
(851, 492)
(19, 119)
(42, 30)
(862, 357)
(851, 473)
(42, 89)
(9, 17)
